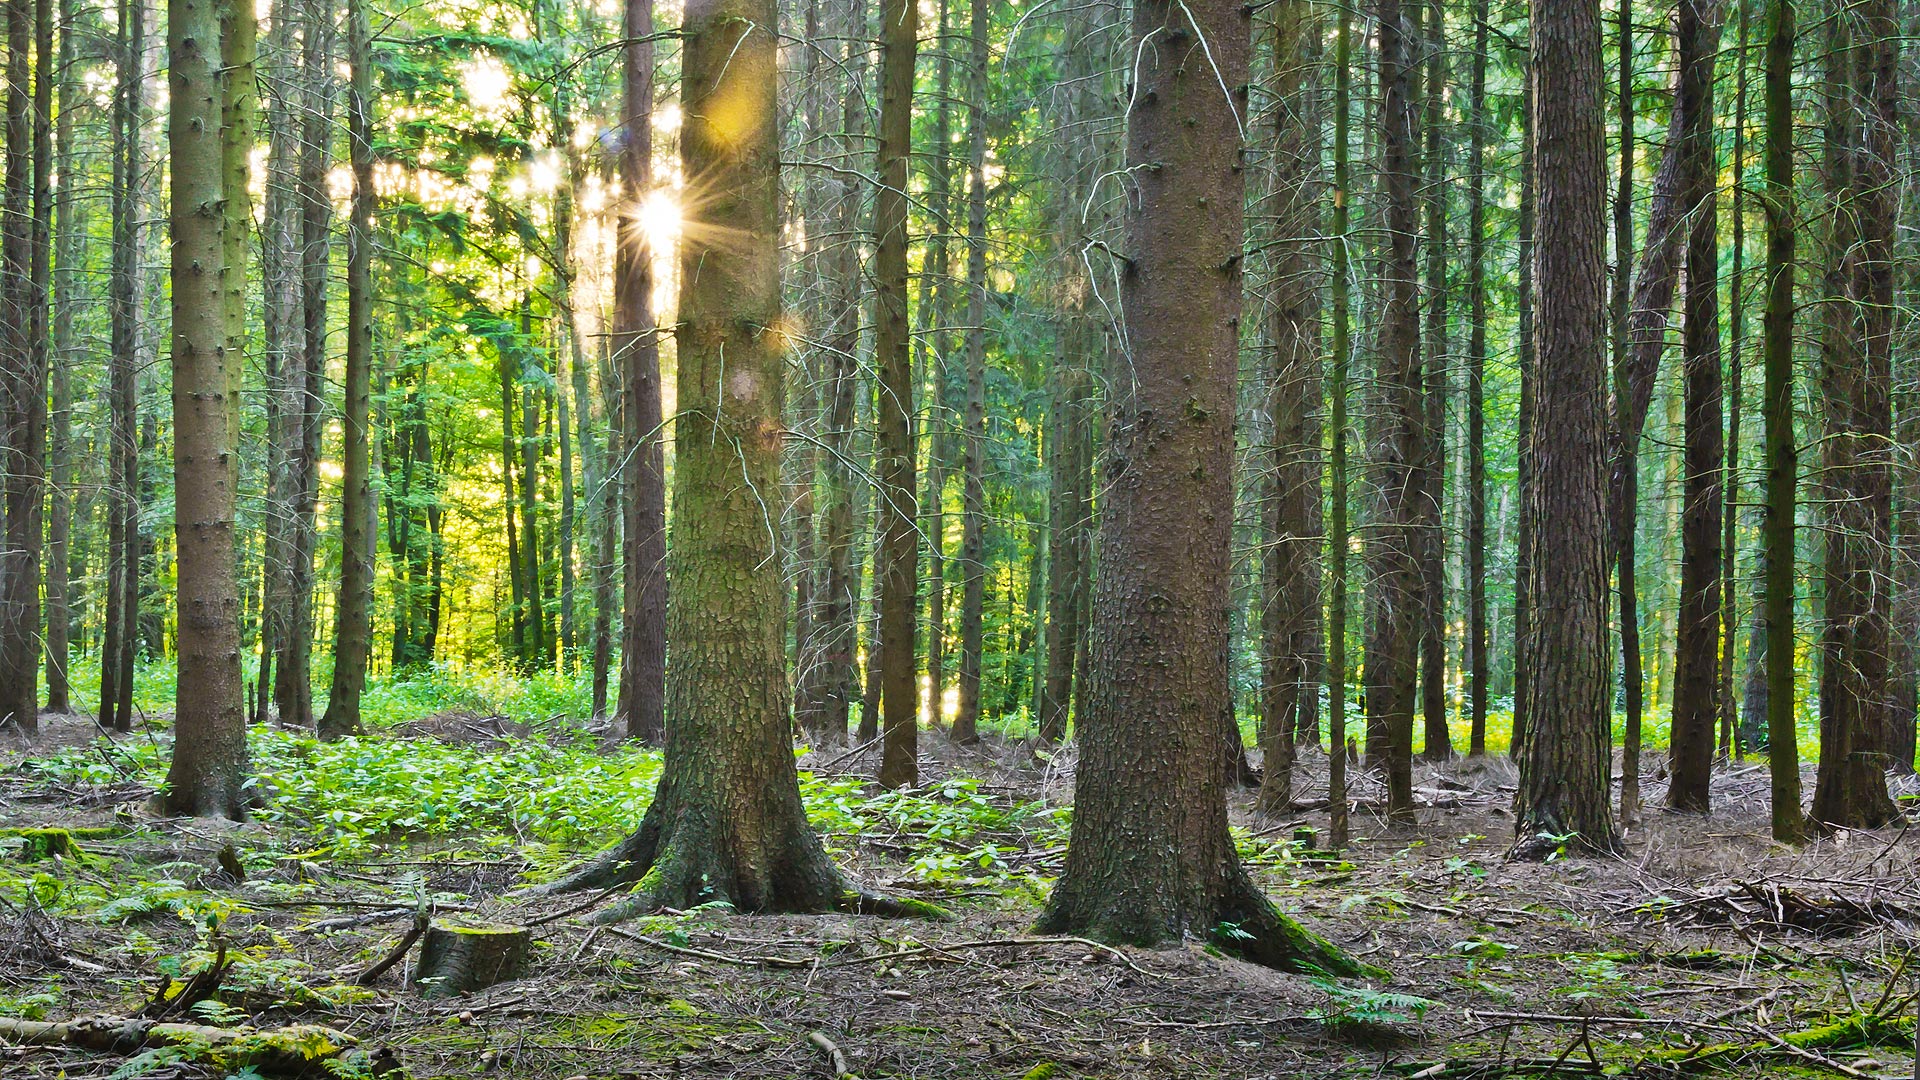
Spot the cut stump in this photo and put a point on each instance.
(462, 959)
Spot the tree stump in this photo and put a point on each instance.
(461, 959)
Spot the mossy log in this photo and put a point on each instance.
(50, 843)
(1846, 1033)
(463, 959)
(290, 1051)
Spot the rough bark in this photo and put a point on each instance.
(1477, 638)
(1431, 534)
(1396, 432)
(1336, 587)
(23, 387)
(1851, 789)
(1565, 756)
(123, 447)
(1290, 571)
(1696, 693)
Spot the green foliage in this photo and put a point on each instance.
(1344, 1005)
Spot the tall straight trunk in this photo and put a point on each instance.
(353, 608)
(1851, 789)
(1338, 359)
(973, 429)
(210, 51)
(636, 354)
(516, 577)
(1696, 706)
(123, 447)
(1524, 455)
(1783, 462)
(1565, 755)
(1396, 432)
(899, 546)
(1290, 600)
(69, 223)
(726, 822)
(937, 278)
(1433, 456)
(1731, 737)
(1477, 637)
(1150, 856)
(23, 362)
(828, 653)
(533, 561)
(1626, 555)
(281, 351)
(304, 398)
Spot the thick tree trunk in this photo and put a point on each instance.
(210, 50)
(636, 353)
(353, 614)
(1395, 435)
(1851, 789)
(1696, 706)
(726, 822)
(1150, 858)
(1565, 756)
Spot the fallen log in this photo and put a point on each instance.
(292, 1051)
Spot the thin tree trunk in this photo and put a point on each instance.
(1731, 737)
(1337, 533)
(899, 546)
(1626, 556)
(69, 223)
(973, 432)
(1783, 464)
(124, 310)
(1696, 707)
(353, 614)
(1477, 637)
(1432, 503)
(636, 354)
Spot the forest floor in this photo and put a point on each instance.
(1706, 949)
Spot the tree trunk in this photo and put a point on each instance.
(1477, 638)
(973, 431)
(1430, 534)
(68, 225)
(123, 484)
(1731, 738)
(1337, 533)
(1290, 601)
(636, 352)
(23, 396)
(1150, 857)
(1565, 754)
(1626, 556)
(1696, 706)
(1525, 422)
(1395, 435)
(726, 822)
(210, 50)
(899, 546)
(1851, 789)
(353, 615)
(1783, 462)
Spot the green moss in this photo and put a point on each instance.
(49, 843)
(1046, 1070)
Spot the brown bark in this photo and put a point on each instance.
(1696, 694)
(1396, 434)
(1150, 857)
(1431, 533)
(1478, 668)
(1564, 757)
(973, 430)
(123, 480)
(636, 354)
